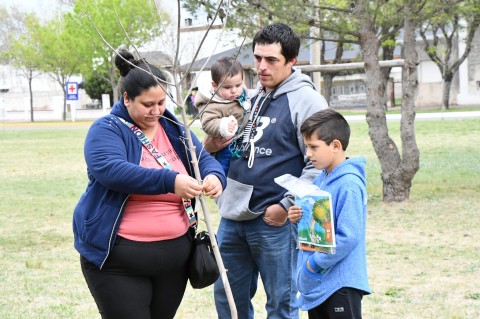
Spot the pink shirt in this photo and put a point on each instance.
(156, 217)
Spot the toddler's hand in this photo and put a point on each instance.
(228, 126)
(233, 126)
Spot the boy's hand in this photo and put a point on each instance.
(294, 214)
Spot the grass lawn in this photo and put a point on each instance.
(423, 254)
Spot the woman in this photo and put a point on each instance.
(131, 227)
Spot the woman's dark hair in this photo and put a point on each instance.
(327, 125)
(279, 33)
(137, 77)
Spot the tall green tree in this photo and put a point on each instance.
(60, 54)
(441, 35)
(20, 46)
(122, 23)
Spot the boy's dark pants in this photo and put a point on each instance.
(345, 303)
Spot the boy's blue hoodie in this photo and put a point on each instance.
(347, 267)
(112, 153)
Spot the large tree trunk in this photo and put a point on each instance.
(396, 185)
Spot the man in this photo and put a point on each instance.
(254, 234)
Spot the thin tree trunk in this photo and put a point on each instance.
(386, 77)
(213, 240)
(64, 105)
(327, 85)
(447, 83)
(30, 78)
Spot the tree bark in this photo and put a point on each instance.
(387, 55)
(396, 174)
(398, 181)
(327, 85)
(30, 78)
(447, 83)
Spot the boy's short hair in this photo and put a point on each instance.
(225, 67)
(327, 125)
(279, 33)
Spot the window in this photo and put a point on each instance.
(352, 89)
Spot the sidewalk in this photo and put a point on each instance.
(349, 118)
(423, 116)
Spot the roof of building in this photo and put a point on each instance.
(157, 58)
(245, 57)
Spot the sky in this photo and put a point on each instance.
(44, 8)
(40, 6)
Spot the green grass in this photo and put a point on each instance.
(423, 254)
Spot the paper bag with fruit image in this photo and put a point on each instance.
(315, 228)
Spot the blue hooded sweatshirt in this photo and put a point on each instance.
(112, 153)
(347, 267)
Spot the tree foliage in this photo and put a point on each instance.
(69, 44)
(122, 23)
(20, 45)
(442, 32)
(97, 84)
(60, 55)
(374, 25)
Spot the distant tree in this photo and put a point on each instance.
(20, 45)
(61, 54)
(441, 34)
(96, 85)
(140, 22)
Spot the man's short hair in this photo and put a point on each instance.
(282, 34)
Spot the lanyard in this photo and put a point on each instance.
(243, 144)
(251, 128)
(249, 137)
(162, 161)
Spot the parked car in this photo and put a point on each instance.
(95, 104)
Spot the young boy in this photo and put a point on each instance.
(332, 285)
(223, 109)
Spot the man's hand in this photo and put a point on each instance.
(214, 144)
(275, 215)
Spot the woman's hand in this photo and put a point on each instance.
(294, 214)
(187, 186)
(212, 186)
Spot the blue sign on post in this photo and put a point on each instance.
(72, 91)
